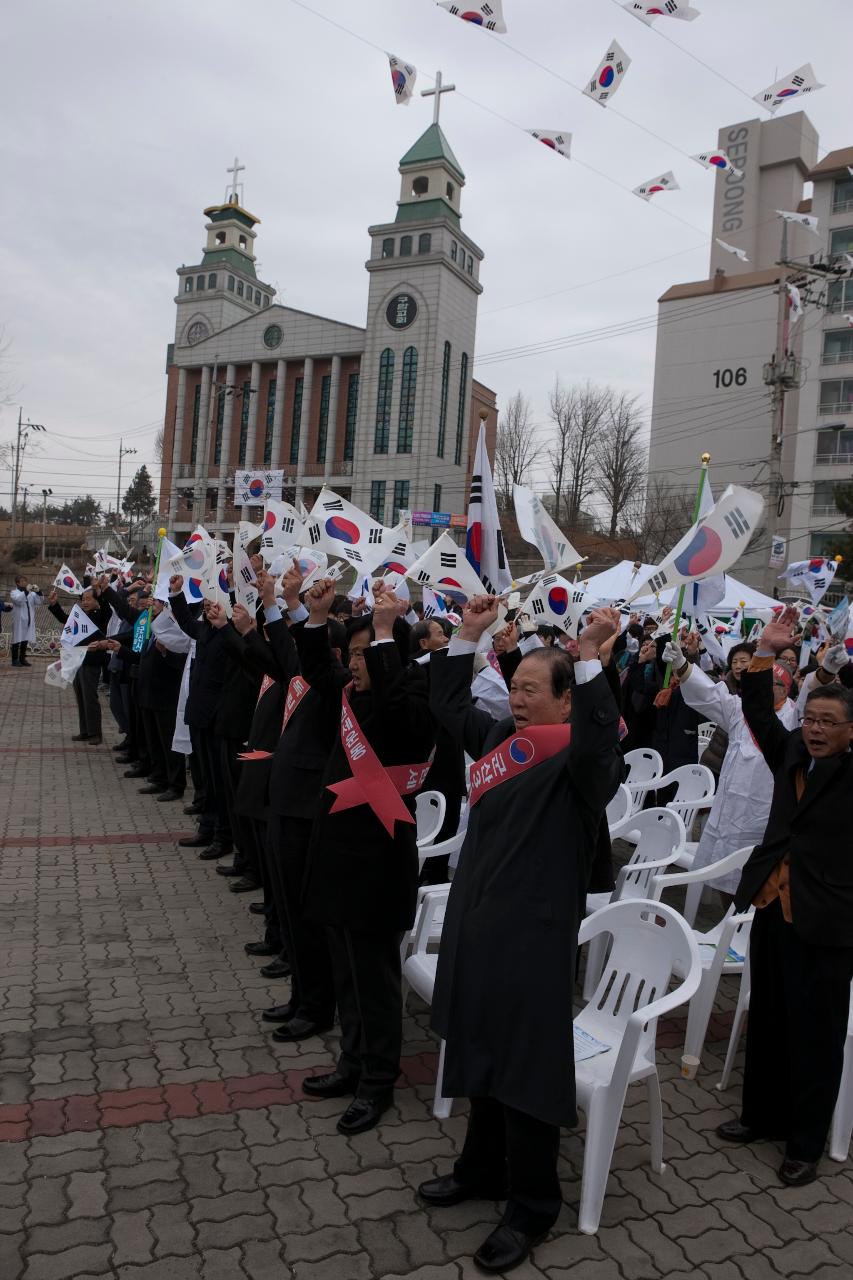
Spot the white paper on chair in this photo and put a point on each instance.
(586, 1046)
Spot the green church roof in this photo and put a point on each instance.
(229, 258)
(430, 146)
(427, 211)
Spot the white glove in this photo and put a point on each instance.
(673, 653)
(835, 659)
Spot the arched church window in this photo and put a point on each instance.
(408, 392)
(470, 265)
(199, 283)
(454, 249)
(239, 288)
(388, 248)
(211, 280)
(230, 284)
(451, 191)
(266, 300)
(220, 237)
(188, 284)
(445, 394)
(243, 242)
(425, 243)
(382, 426)
(405, 246)
(257, 297)
(420, 186)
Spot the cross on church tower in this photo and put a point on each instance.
(436, 93)
(232, 195)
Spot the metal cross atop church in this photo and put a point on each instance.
(436, 93)
(233, 193)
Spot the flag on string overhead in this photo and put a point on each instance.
(799, 82)
(795, 304)
(489, 16)
(78, 626)
(608, 75)
(537, 528)
(712, 545)
(403, 77)
(664, 9)
(717, 160)
(731, 248)
(812, 576)
(555, 602)
(557, 139)
(804, 219)
(67, 580)
(484, 544)
(663, 182)
(445, 568)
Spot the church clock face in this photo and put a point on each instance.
(197, 332)
(401, 311)
(273, 336)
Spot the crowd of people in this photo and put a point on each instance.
(304, 734)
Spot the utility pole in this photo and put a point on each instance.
(122, 453)
(45, 494)
(24, 429)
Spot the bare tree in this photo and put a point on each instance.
(656, 516)
(579, 414)
(159, 443)
(619, 457)
(516, 450)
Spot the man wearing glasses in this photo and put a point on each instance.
(800, 880)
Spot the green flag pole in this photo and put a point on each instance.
(161, 533)
(705, 460)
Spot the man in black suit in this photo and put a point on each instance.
(800, 879)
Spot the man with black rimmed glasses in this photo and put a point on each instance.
(800, 880)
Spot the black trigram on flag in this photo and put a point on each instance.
(314, 534)
(547, 582)
(353, 555)
(334, 505)
(658, 580)
(400, 548)
(671, 6)
(476, 490)
(246, 574)
(422, 576)
(799, 81)
(537, 606)
(447, 559)
(374, 535)
(490, 590)
(737, 522)
(620, 67)
(288, 524)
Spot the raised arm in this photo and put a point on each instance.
(595, 762)
(450, 674)
(180, 609)
(710, 698)
(757, 691)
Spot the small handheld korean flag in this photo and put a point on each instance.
(799, 82)
(245, 582)
(608, 75)
(344, 530)
(445, 568)
(403, 77)
(434, 606)
(67, 580)
(713, 544)
(557, 139)
(489, 16)
(647, 12)
(663, 182)
(555, 602)
(537, 528)
(282, 526)
(78, 627)
(718, 160)
(806, 220)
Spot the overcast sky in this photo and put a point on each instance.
(121, 117)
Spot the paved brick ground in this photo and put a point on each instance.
(149, 1130)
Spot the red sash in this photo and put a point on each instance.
(266, 683)
(516, 755)
(371, 783)
(296, 691)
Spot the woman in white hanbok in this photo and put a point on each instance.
(742, 801)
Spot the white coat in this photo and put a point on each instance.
(24, 614)
(741, 805)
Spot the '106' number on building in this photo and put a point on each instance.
(730, 377)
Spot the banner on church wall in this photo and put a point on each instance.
(251, 488)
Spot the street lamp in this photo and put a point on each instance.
(45, 494)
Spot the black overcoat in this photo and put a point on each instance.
(504, 986)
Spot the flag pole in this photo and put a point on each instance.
(161, 534)
(705, 460)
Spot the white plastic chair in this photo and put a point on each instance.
(704, 735)
(842, 1119)
(695, 786)
(696, 880)
(657, 836)
(620, 806)
(644, 765)
(419, 971)
(430, 808)
(650, 945)
(741, 1010)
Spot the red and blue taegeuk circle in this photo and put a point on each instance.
(194, 585)
(223, 580)
(194, 552)
(269, 521)
(394, 566)
(344, 530)
(68, 581)
(256, 487)
(399, 79)
(471, 15)
(558, 600)
(787, 93)
(720, 161)
(701, 555)
(521, 750)
(606, 77)
(453, 590)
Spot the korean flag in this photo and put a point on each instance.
(608, 75)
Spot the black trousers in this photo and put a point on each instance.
(508, 1153)
(118, 704)
(19, 652)
(168, 767)
(229, 769)
(88, 707)
(795, 1034)
(256, 832)
(368, 989)
(312, 984)
(213, 821)
(138, 746)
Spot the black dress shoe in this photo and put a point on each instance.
(193, 809)
(123, 745)
(95, 741)
(260, 949)
(125, 759)
(152, 789)
(299, 1029)
(278, 1013)
(278, 969)
(443, 1192)
(229, 870)
(330, 1085)
(734, 1131)
(24, 663)
(797, 1173)
(75, 737)
(244, 885)
(169, 795)
(198, 841)
(213, 851)
(363, 1114)
(504, 1249)
(257, 908)
(136, 772)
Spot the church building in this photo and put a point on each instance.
(387, 415)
